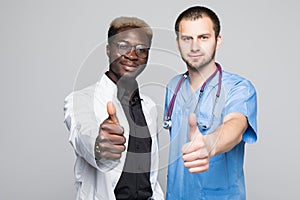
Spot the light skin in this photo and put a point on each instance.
(197, 44)
(111, 140)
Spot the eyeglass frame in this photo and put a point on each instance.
(130, 50)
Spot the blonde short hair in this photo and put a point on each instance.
(124, 23)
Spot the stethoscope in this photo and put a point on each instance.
(167, 124)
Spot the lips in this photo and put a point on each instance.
(129, 66)
(194, 55)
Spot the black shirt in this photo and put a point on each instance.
(134, 183)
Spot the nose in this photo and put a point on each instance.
(131, 54)
(195, 46)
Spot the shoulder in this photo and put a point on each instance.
(232, 81)
(104, 85)
(85, 93)
(82, 96)
(174, 81)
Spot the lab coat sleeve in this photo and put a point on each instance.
(242, 99)
(81, 122)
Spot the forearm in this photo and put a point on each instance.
(228, 135)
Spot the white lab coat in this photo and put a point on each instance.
(85, 110)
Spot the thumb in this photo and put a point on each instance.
(193, 126)
(111, 110)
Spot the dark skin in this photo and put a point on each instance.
(123, 68)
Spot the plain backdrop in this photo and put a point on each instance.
(50, 48)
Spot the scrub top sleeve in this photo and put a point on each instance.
(242, 99)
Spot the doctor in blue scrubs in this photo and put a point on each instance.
(210, 113)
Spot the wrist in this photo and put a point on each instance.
(211, 141)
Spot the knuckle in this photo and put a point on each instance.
(123, 148)
(102, 133)
(103, 141)
(104, 154)
(123, 140)
(118, 156)
(102, 125)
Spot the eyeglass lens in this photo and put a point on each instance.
(140, 49)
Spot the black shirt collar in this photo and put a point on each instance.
(128, 91)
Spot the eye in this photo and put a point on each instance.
(204, 37)
(142, 49)
(185, 39)
(124, 46)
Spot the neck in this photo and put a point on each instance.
(128, 84)
(113, 76)
(199, 76)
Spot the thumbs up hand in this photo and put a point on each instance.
(110, 141)
(195, 153)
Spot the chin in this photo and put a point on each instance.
(130, 75)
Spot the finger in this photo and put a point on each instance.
(188, 148)
(196, 163)
(110, 156)
(108, 147)
(111, 110)
(193, 125)
(117, 139)
(192, 146)
(199, 169)
(196, 155)
(112, 128)
(112, 138)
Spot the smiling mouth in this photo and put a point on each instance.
(129, 67)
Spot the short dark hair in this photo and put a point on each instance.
(121, 24)
(196, 12)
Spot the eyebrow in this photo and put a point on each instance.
(186, 36)
(189, 36)
(143, 43)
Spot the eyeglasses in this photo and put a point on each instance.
(140, 50)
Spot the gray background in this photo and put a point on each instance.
(49, 48)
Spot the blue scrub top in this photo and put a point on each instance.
(225, 177)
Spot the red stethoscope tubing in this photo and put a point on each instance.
(182, 79)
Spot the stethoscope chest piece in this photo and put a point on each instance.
(167, 124)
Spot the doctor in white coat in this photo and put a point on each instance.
(113, 128)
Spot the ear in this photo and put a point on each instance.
(177, 42)
(219, 41)
(107, 50)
